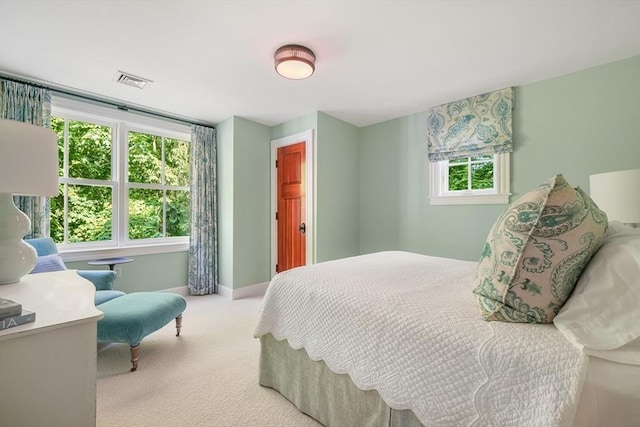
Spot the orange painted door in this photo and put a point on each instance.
(291, 215)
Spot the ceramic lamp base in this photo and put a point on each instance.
(17, 258)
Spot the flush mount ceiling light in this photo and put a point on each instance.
(294, 62)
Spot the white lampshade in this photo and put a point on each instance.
(28, 159)
(28, 166)
(617, 194)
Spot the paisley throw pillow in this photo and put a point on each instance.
(536, 252)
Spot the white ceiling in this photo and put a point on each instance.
(376, 60)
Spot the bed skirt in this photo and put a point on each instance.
(331, 399)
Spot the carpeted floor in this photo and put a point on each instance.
(206, 377)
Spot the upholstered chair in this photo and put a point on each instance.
(49, 260)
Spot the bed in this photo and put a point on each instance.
(396, 339)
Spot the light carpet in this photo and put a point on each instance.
(206, 377)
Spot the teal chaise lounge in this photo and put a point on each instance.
(128, 318)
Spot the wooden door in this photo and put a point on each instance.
(291, 214)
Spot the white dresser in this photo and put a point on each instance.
(48, 367)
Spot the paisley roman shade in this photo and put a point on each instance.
(475, 126)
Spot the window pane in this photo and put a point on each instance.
(89, 151)
(145, 213)
(145, 158)
(89, 213)
(176, 157)
(481, 176)
(177, 213)
(458, 177)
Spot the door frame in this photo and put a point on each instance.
(310, 193)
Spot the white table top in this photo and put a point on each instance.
(59, 299)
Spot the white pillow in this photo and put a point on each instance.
(603, 313)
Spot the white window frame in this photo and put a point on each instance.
(439, 193)
(121, 122)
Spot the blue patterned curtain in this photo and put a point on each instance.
(476, 126)
(203, 243)
(29, 104)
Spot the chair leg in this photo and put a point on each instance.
(135, 352)
(178, 325)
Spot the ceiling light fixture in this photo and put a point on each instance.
(294, 62)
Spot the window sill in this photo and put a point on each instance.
(86, 254)
(485, 199)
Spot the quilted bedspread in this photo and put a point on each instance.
(408, 326)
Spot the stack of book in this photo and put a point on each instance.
(12, 314)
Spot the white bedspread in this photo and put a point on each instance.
(408, 326)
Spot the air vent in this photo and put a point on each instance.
(131, 80)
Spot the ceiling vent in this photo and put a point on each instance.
(131, 80)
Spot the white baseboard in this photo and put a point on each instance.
(180, 290)
(256, 290)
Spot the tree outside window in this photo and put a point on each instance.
(471, 173)
(158, 176)
(118, 191)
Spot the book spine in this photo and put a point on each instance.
(10, 311)
(9, 308)
(10, 322)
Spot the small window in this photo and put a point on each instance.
(470, 180)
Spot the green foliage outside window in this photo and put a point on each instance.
(153, 213)
(146, 205)
(479, 169)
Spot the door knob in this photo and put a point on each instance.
(302, 228)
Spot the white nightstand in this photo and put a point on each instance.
(48, 367)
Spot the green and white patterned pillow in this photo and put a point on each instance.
(536, 252)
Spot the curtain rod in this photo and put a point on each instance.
(119, 106)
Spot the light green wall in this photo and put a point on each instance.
(337, 189)
(379, 180)
(579, 124)
(243, 203)
(252, 199)
(298, 125)
(147, 272)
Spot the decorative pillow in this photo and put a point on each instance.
(47, 263)
(536, 251)
(603, 312)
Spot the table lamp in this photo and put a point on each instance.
(28, 166)
(618, 195)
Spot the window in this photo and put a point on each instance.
(124, 181)
(470, 180)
